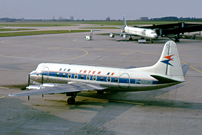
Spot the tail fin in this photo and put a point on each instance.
(124, 21)
(169, 63)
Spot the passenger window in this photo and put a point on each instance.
(69, 76)
(82, 76)
(87, 77)
(57, 74)
(63, 75)
(75, 76)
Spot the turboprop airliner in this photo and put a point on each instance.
(135, 31)
(72, 79)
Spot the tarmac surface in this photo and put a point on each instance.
(168, 111)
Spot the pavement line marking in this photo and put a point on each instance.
(4, 87)
(148, 53)
(86, 53)
(196, 69)
(2, 97)
(12, 44)
(154, 54)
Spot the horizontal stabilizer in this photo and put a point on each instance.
(185, 69)
(164, 79)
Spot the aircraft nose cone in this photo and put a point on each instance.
(33, 75)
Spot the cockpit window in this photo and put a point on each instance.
(153, 33)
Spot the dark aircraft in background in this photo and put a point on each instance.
(175, 31)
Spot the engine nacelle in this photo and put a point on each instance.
(124, 36)
(122, 33)
(33, 87)
(111, 35)
(37, 87)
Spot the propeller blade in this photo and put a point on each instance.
(42, 80)
(28, 80)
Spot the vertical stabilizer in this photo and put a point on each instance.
(169, 62)
(124, 21)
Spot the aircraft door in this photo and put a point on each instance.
(124, 80)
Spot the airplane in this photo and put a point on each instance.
(176, 31)
(135, 31)
(72, 79)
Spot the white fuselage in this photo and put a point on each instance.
(113, 78)
(146, 33)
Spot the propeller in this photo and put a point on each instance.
(42, 79)
(28, 84)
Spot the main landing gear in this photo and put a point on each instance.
(130, 38)
(71, 100)
(100, 92)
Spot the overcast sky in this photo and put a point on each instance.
(99, 9)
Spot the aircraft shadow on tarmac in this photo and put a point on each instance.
(144, 98)
(117, 104)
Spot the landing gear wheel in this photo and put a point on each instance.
(71, 100)
(177, 40)
(100, 92)
(130, 39)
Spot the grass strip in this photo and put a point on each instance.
(13, 29)
(40, 32)
(99, 28)
(36, 24)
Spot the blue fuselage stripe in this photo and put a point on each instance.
(100, 78)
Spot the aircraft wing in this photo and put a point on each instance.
(58, 88)
(116, 33)
(127, 34)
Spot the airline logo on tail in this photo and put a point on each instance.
(168, 60)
